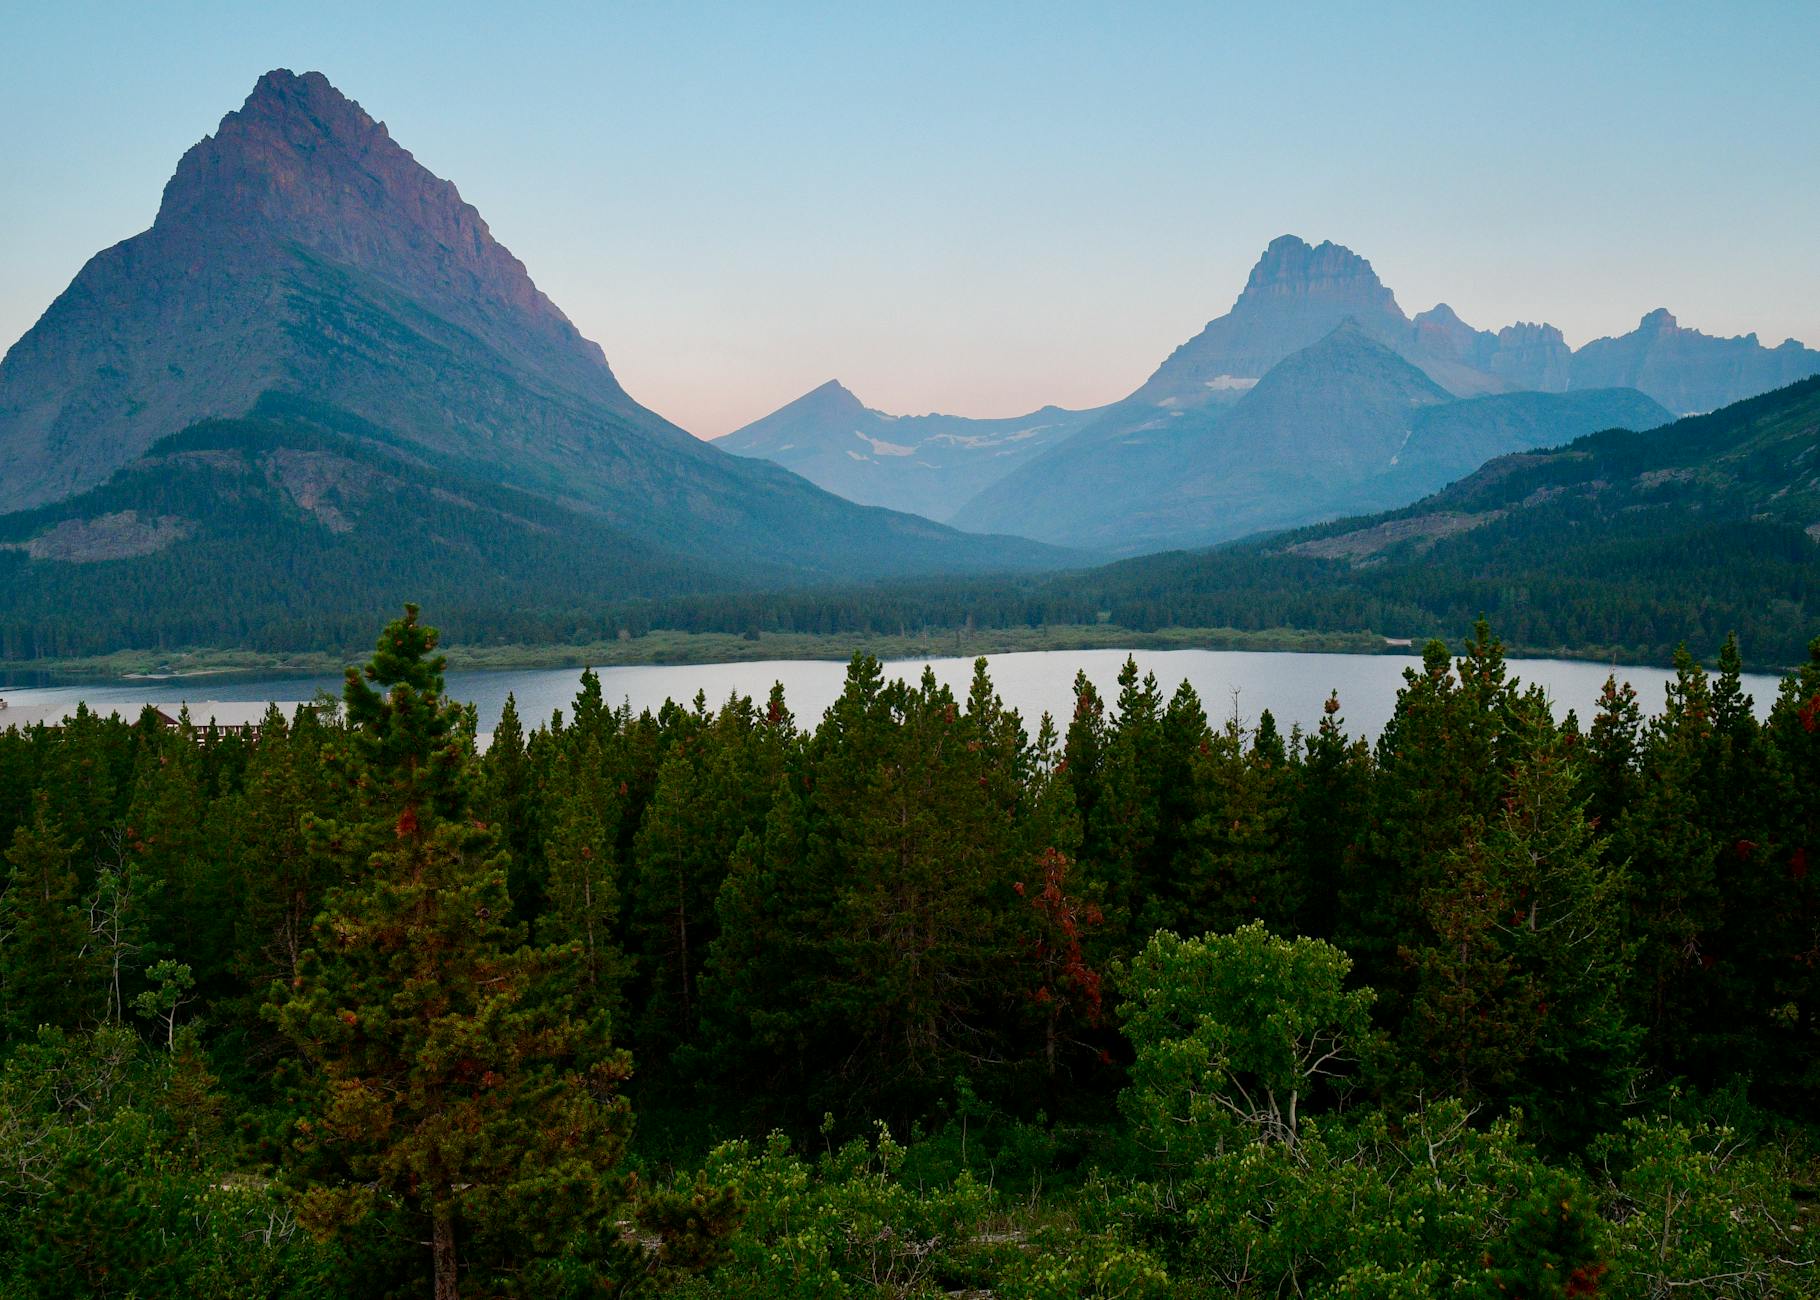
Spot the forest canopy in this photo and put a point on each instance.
(919, 998)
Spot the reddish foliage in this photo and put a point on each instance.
(1744, 848)
(1065, 921)
(1584, 1281)
(1797, 863)
(1810, 714)
(407, 823)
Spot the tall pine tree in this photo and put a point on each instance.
(454, 1091)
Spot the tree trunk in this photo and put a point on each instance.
(442, 1252)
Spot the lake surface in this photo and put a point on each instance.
(1292, 686)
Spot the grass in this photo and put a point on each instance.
(671, 647)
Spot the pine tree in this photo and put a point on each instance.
(1125, 831)
(454, 1084)
(582, 874)
(1519, 984)
(1332, 784)
(276, 884)
(506, 799)
(47, 975)
(1614, 749)
(1777, 910)
(711, 791)
(1672, 851)
(1440, 767)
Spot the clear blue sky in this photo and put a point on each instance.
(983, 207)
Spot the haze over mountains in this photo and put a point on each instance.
(1631, 542)
(929, 464)
(1375, 408)
(300, 251)
(318, 386)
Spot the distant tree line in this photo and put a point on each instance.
(1636, 597)
(920, 1000)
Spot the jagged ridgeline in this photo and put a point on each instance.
(300, 251)
(1314, 396)
(1619, 543)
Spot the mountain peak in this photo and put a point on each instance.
(1661, 320)
(282, 93)
(832, 400)
(1294, 269)
(298, 248)
(300, 164)
(1439, 314)
(266, 154)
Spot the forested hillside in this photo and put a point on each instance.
(300, 526)
(918, 998)
(1619, 544)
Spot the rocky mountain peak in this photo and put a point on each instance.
(1293, 269)
(1659, 321)
(302, 164)
(1529, 332)
(1440, 331)
(831, 398)
(1441, 315)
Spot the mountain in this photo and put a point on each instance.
(1164, 467)
(295, 528)
(1620, 542)
(301, 251)
(926, 464)
(1344, 425)
(1688, 371)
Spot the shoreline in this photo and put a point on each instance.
(671, 648)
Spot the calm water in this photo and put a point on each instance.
(1291, 686)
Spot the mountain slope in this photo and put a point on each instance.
(1623, 541)
(297, 526)
(1341, 426)
(300, 250)
(926, 464)
(1077, 471)
(254, 531)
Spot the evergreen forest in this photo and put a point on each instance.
(918, 998)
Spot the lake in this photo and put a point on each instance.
(1292, 686)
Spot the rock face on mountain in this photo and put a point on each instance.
(1531, 356)
(300, 250)
(1296, 294)
(1342, 426)
(927, 464)
(1688, 371)
(1282, 409)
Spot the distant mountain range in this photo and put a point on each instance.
(1620, 544)
(1314, 395)
(300, 255)
(1342, 426)
(928, 464)
(1631, 542)
(317, 386)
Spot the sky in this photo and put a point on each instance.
(981, 208)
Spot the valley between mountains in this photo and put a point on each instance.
(318, 386)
